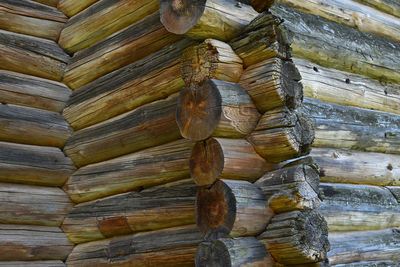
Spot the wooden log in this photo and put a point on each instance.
(218, 19)
(341, 126)
(31, 18)
(101, 20)
(187, 181)
(222, 158)
(231, 209)
(30, 91)
(258, 5)
(346, 88)
(32, 55)
(273, 83)
(244, 251)
(217, 108)
(34, 165)
(71, 7)
(349, 166)
(359, 207)
(382, 263)
(212, 59)
(332, 45)
(389, 6)
(291, 188)
(131, 212)
(348, 247)
(150, 167)
(282, 134)
(151, 78)
(395, 190)
(48, 2)
(31, 242)
(168, 247)
(297, 237)
(26, 204)
(55, 263)
(33, 126)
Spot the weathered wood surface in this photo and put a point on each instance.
(389, 6)
(382, 263)
(131, 212)
(212, 59)
(223, 158)
(349, 166)
(341, 126)
(187, 181)
(55, 263)
(291, 188)
(30, 91)
(258, 5)
(346, 88)
(101, 20)
(147, 126)
(282, 134)
(297, 237)
(231, 209)
(395, 191)
(32, 55)
(72, 7)
(33, 126)
(219, 19)
(34, 165)
(234, 252)
(150, 167)
(168, 247)
(126, 46)
(31, 242)
(349, 207)
(332, 45)
(25, 204)
(273, 83)
(348, 247)
(217, 108)
(48, 2)
(153, 77)
(31, 18)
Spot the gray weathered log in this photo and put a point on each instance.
(258, 5)
(395, 191)
(55, 263)
(388, 6)
(381, 263)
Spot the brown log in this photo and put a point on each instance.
(55, 263)
(71, 7)
(48, 2)
(219, 19)
(150, 167)
(37, 165)
(231, 209)
(282, 134)
(234, 252)
(222, 158)
(187, 181)
(30, 242)
(217, 108)
(291, 188)
(212, 59)
(389, 6)
(273, 83)
(258, 5)
(297, 237)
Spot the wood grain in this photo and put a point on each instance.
(388, 6)
(72, 7)
(55, 263)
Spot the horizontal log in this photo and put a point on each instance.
(212, 59)
(33, 126)
(346, 88)
(30, 242)
(71, 7)
(231, 209)
(101, 20)
(349, 166)
(150, 209)
(217, 108)
(332, 45)
(348, 247)
(150, 167)
(168, 247)
(395, 191)
(55, 263)
(187, 181)
(30, 91)
(151, 78)
(359, 207)
(48, 2)
(389, 6)
(34, 165)
(219, 19)
(32, 55)
(341, 126)
(382, 263)
(31, 18)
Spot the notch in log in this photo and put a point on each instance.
(231, 209)
(216, 108)
(200, 19)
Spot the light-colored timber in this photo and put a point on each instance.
(388, 6)
(72, 7)
(55, 263)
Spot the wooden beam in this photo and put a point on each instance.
(48, 2)
(368, 263)
(55, 263)
(71, 7)
(395, 190)
(389, 6)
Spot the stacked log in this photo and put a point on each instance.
(71, 7)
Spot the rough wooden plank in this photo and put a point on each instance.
(30, 91)
(34, 165)
(33, 126)
(25, 204)
(389, 6)
(72, 7)
(55, 263)
(349, 166)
